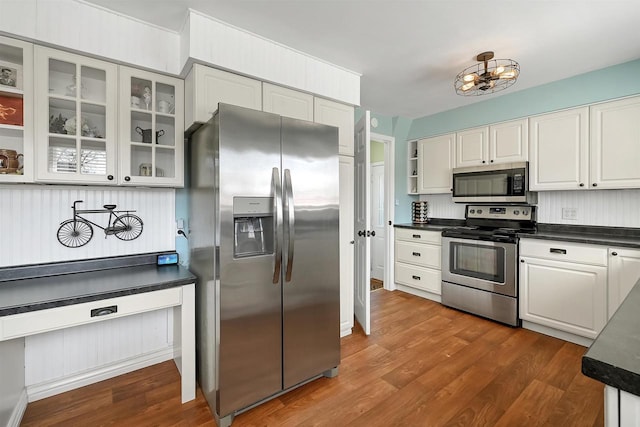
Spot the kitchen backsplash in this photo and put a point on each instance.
(31, 214)
(614, 208)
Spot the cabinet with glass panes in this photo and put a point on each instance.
(16, 111)
(151, 129)
(75, 118)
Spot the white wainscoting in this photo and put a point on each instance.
(615, 208)
(31, 214)
(62, 360)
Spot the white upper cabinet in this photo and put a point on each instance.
(435, 161)
(151, 129)
(75, 118)
(615, 144)
(339, 115)
(205, 87)
(16, 102)
(559, 150)
(287, 102)
(499, 143)
(509, 142)
(472, 147)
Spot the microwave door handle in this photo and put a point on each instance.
(276, 191)
(289, 212)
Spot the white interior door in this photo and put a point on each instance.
(362, 224)
(377, 221)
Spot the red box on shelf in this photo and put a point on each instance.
(11, 110)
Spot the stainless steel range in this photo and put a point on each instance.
(480, 261)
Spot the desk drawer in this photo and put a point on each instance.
(418, 254)
(419, 236)
(35, 322)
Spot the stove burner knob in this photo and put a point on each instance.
(525, 212)
(479, 211)
(472, 211)
(517, 212)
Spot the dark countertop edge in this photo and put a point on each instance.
(438, 223)
(612, 358)
(96, 297)
(613, 376)
(596, 235)
(76, 266)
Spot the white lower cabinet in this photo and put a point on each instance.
(621, 409)
(417, 262)
(624, 272)
(559, 290)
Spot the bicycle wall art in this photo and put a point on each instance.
(78, 231)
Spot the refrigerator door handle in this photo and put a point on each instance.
(276, 191)
(289, 212)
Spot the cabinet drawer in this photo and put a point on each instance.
(563, 251)
(35, 322)
(427, 279)
(423, 236)
(418, 254)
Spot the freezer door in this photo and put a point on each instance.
(311, 287)
(250, 346)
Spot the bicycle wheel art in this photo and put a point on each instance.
(127, 227)
(74, 233)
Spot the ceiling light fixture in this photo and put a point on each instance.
(489, 76)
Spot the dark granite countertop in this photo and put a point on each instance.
(614, 356)
(130, 275)
(609, 236)
(434, 224)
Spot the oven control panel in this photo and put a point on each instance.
(519, 213)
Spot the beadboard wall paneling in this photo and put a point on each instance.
(90, 29)
(31, 215)
(614, 208)
(441, 206)
(258, 57)
(67, 352)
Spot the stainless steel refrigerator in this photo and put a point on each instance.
(263, 219)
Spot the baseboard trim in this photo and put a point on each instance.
(18, 410)
(418, 293)
(345, 332)
(556, 333)
(61, 385)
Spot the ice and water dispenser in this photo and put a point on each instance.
(253, 226)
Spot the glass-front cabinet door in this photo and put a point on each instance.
(151, 129)
(16, 111)
(75, 118)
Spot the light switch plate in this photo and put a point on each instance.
(569, 213)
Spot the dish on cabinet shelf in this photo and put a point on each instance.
(11, 110)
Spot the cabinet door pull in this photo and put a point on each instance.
(416, 254)
(614, 253)
(415, 277)
(103, 311)
(558, 251)
(417, 236)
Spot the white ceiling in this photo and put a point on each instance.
(409, 52)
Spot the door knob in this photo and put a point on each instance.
(361, 233)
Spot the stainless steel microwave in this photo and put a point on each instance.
(507, 182)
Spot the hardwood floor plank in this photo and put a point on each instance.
(423, 365)
(536, 399)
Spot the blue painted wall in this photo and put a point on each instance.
(600, 85)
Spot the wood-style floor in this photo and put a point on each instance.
(423, 365)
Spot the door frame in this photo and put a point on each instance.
(389, 206)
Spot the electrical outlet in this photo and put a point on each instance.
(569, 213)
